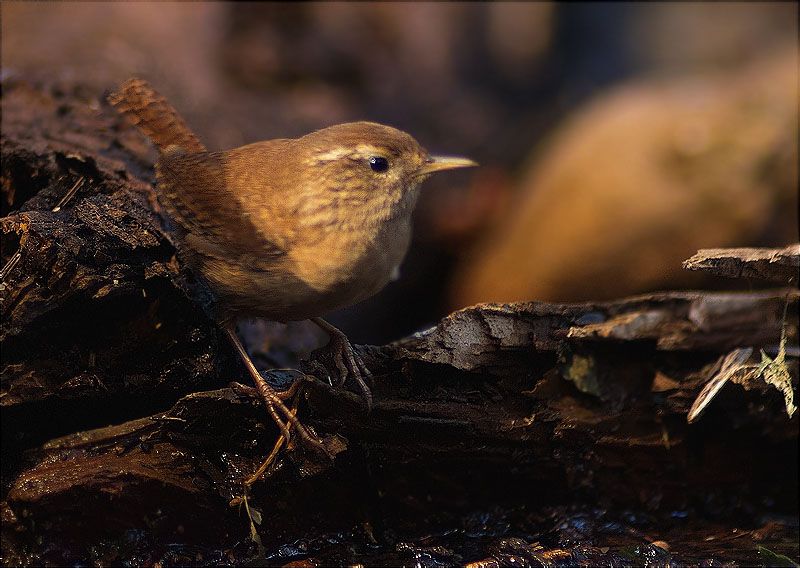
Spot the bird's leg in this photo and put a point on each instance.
(346, 359)
(272, 399)
(272, 455)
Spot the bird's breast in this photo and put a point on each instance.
(353, 263)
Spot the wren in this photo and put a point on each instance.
(288, 229)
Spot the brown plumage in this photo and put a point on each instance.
(288, 229)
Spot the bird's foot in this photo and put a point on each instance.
(284, 418)
(347, 361)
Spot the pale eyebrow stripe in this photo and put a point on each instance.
(359, 152)
(370, 150)
(333, 154)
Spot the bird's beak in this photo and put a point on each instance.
(438, 163)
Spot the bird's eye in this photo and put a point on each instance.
(378, 164)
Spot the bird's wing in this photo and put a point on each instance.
(214, 203)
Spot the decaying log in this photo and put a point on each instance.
(527, 407)
(562, 411)
(776, 265)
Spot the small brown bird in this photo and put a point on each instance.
(288, 229)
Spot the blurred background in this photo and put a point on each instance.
(615, 139)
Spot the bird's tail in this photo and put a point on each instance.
(154, 116)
